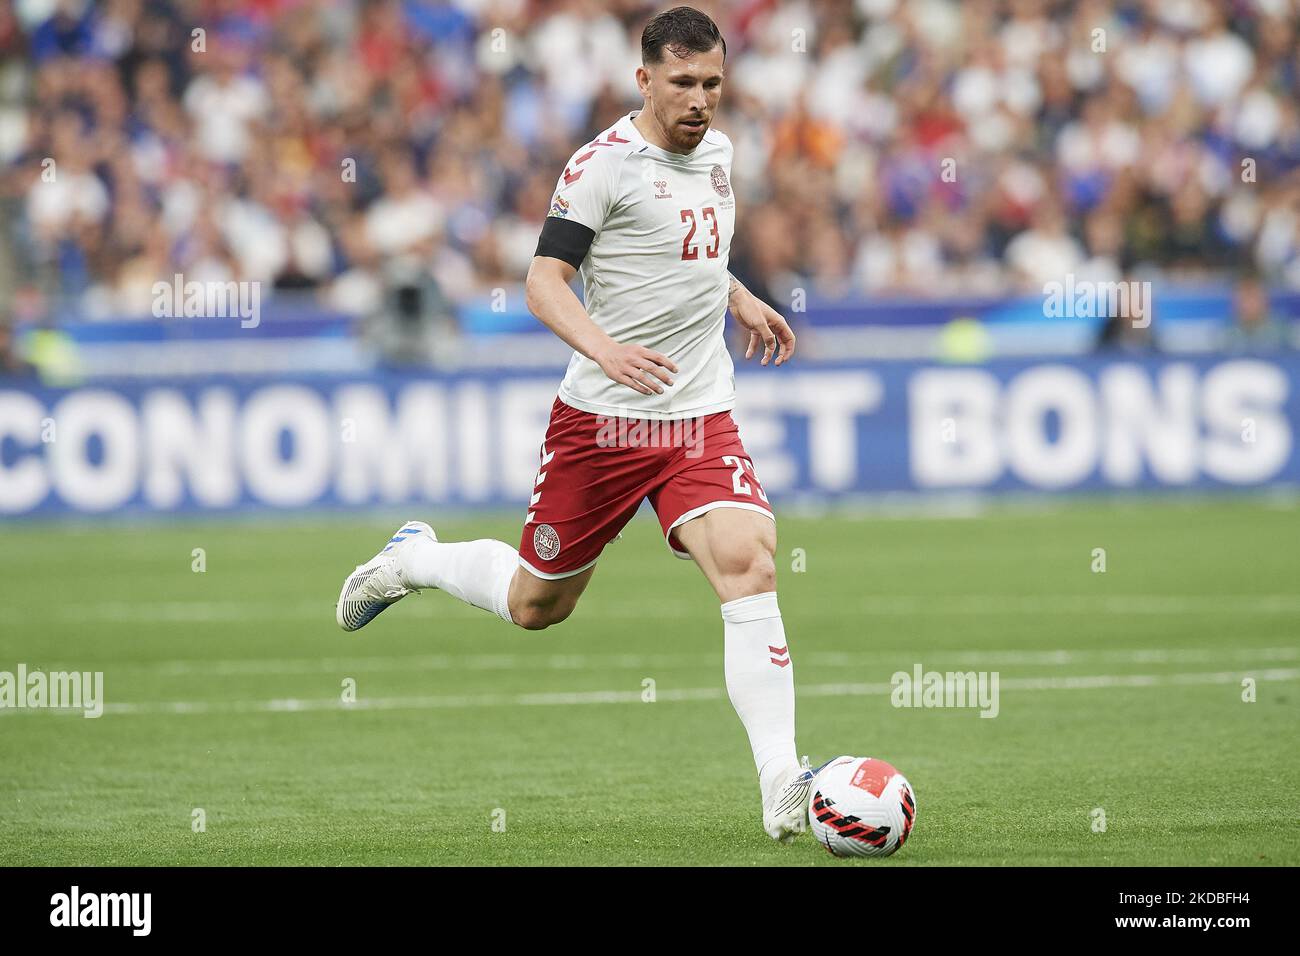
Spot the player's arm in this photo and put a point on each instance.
(764, 323)
(550, 298)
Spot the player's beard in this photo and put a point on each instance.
(683, 138)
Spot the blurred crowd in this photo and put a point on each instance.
(916, 147)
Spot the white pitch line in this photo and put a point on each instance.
(561, 699)
(1167, 604)
(658, 662)
(1058, 658)
(207, 612)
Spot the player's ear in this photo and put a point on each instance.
(643, 81)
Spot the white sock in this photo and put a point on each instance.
(761, 691)
(477, 572)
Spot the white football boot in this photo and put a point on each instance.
(378, 583)
(785, 814)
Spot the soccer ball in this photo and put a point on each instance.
(861, 806)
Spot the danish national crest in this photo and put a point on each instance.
(719, 179)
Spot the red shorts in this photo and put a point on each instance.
(596, 470)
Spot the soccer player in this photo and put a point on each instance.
(644, 212)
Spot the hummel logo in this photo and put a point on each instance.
(661, 185)
(782, 655)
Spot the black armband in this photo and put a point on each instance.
(565, 240)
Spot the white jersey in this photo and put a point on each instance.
(656, 272)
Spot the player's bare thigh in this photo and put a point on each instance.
(536, 603)
(735, 549)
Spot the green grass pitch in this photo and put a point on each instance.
(474, 743)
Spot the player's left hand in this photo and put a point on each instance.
(765, 325)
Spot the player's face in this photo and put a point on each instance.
(682, 93)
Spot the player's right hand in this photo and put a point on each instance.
(637, 367)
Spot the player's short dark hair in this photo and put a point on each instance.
(683, 30)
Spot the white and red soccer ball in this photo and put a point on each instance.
(861, 806)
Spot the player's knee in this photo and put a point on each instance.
(750, 570)
(538, 617)
(531, 617)
(761, 576)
